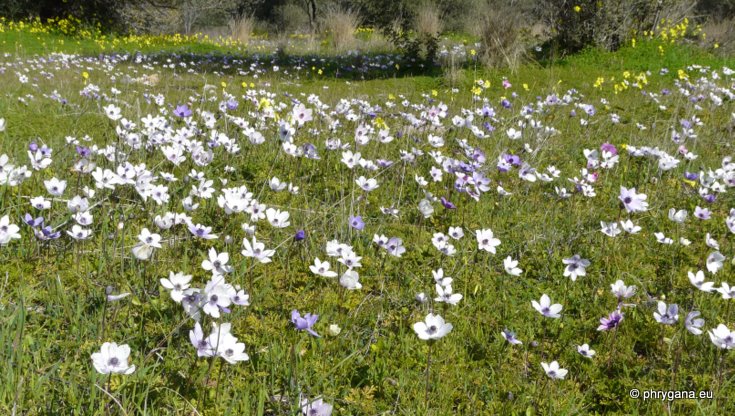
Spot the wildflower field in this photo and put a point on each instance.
(208, 230)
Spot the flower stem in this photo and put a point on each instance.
(428, 373)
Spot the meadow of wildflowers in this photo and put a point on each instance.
(188, 233)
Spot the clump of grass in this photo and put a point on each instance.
(340, 25)
(501, 35)
(241, 28)
(428, 22)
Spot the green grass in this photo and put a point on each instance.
(52, 301)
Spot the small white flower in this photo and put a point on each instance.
(511, 266)
(698, 281)
(715, 262)
(433, 327)
(629, 227)
(350, 280)
(661, 238)
(177, 283)
(112, 359)
(486, 240)
(545, 308)
(445, 294)
(585, 351)
(322, 268)
(554, 371)
(722, 337)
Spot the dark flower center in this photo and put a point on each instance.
(113, 362)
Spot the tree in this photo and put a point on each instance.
(193, 11)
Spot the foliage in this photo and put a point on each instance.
(609, 24)
(105, 12)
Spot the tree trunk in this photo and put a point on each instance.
(311, 11)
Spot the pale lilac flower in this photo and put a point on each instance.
(304, 323)
(576, 266)
(667, 315)
(317, 407)
(632, 201)
(693, 323)
(511, 337)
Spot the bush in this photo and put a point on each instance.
(577, 24)
(290, 18)
(105, 12)
(721, 33)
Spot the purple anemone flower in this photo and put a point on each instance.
(310, 151)
(300, 235)
(45, 151)
(33, 222)
(395, 247)
(478, 156)
(514, 160)
(610, 148)
(357, 222)
(83, 151)
(47, 233)
(383, 163)
(448, 204)
(304, 323)
(702, 213)
(611, 321)
(182, 111)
